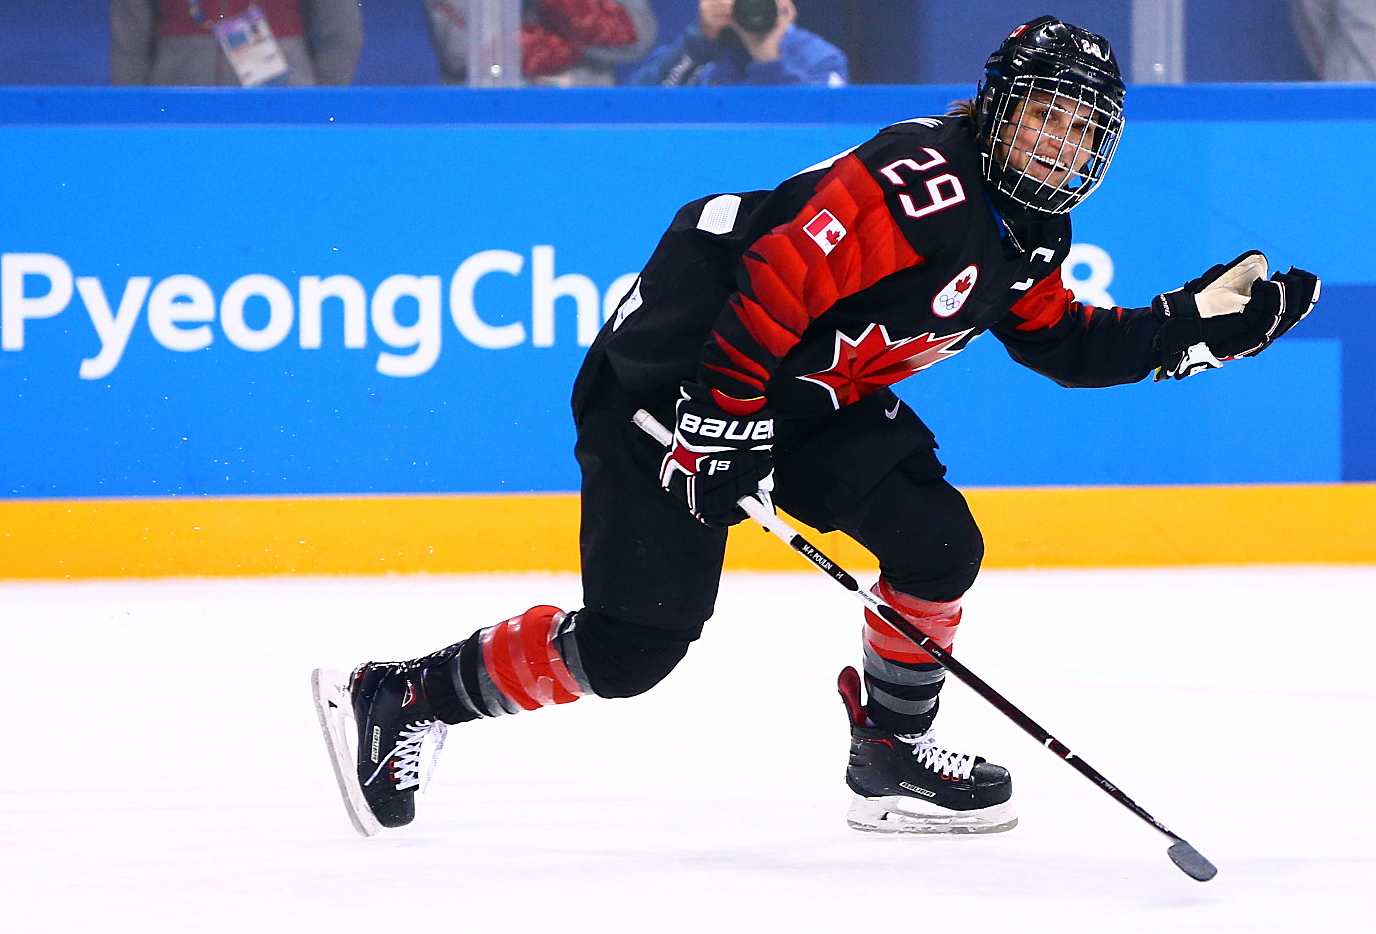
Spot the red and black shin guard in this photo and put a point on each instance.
(522, 663)
(901, 679)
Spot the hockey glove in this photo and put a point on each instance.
(716, 458)
(1231, 311)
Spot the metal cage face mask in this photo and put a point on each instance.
(1049, 141)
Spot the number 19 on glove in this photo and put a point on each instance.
(717, 457)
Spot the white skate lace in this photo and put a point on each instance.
(410, 750)
(942, 761)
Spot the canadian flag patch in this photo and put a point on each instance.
(825, 230)
(952, 298)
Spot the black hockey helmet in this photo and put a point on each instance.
(1049, 79)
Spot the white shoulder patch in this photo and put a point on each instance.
(719, 215)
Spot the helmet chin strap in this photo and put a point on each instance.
(1012, 215)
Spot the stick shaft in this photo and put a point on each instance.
(785, 532)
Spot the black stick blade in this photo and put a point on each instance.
(1191, 862)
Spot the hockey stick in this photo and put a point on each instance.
(1186, 857)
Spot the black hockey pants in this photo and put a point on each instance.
(651, 571)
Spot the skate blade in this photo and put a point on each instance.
(898, 814)
(335, 713)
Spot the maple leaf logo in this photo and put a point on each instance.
(833, 236)
(964, 284)
(874, 360)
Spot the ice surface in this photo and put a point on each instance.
(164, 772)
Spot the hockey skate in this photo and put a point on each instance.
(378, 727)
(909, 784)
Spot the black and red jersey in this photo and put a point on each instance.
(857, 273)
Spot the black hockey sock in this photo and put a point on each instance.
(466, 675)
(902, 695)
(546, 657)
(437, 677)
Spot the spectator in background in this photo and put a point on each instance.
(745, 42)
(563, 42)
(1338, 36)
(234, 42)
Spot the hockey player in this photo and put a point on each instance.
(766, 329)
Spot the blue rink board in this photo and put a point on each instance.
(540, 221)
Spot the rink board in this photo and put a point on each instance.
(286, 331)
(1023, 528)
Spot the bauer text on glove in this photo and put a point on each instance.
(718, 456)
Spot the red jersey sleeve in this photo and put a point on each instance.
(843, 240)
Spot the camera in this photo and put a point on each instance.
(755, 16)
